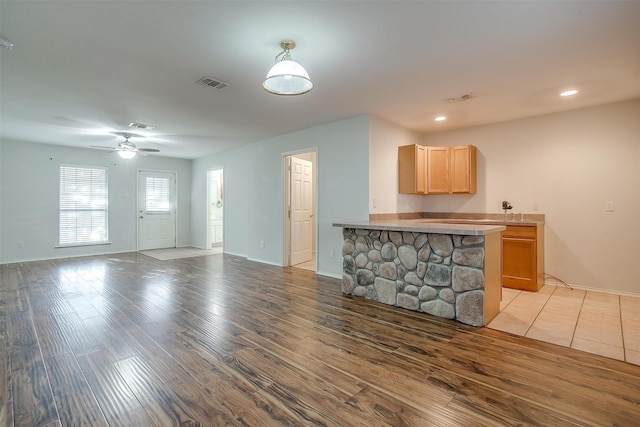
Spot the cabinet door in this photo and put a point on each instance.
(411, 170)
(463, 169)
(437, 170)
(519, 263)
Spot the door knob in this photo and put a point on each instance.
(141, 216)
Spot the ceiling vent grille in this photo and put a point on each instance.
(211, 82)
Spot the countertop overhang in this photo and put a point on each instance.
(424, 225)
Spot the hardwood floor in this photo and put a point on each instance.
(128, 340)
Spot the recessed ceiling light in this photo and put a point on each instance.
(569, 92)
(440, 118)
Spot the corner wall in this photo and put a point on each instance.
(30, 191)
(567, 165)
(256, 170)
(385, 138)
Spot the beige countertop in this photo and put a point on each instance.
(426, 225)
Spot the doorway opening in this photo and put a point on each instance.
(215, 209)
(300, 179)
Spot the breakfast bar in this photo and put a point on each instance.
(440, 268)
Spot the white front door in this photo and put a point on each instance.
(301, 210)
(156, 210)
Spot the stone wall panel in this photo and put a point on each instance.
(348, 247)
(388, 270)
(395, 237)
(438, 274)
(348, 264)
(408, 256)
(386, 290)
(473, 257)
(467, 279)
(441, 244)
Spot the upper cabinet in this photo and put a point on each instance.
(463, 169)
(411, 169)
(437, 170)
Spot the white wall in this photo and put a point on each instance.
(568, 165)
(236, 199)
(343, 182)
(384, 140)
(29, 198)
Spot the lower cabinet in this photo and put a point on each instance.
(523, 257)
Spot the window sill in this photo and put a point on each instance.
(75, 245)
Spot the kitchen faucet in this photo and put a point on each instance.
(506, 206)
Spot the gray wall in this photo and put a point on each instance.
(254, 191)
(29, 198)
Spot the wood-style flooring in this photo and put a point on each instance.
(128, 340)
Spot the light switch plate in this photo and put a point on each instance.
(608, 207)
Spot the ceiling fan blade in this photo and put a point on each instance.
(102, 147)
(149, 150)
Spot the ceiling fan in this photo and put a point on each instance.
(127, 149)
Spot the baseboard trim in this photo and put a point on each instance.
(327, 274)
(591, 289)
(66, 256)
(264, 262)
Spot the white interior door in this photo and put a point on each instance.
(215, 210)
(301, 210)
(156, 210)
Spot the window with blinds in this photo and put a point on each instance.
(157, 195)
(83, 205)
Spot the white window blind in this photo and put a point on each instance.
(157, 195)
(83, 205)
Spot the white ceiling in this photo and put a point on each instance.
(81, 70)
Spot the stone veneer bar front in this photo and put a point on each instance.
(443, 269)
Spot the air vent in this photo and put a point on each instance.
(140, 125)
(211, 82)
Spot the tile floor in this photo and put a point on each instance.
(604, 324)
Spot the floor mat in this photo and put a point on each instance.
(175, 253)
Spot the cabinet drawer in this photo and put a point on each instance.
(521, 231)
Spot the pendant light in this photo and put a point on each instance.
(287, 77)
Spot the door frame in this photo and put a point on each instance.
(208, 228)
(137, 206)
(286, 192)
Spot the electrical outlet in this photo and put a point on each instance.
(20, 243)
(375, 203)
(262, 243)
(608, 207)
(534, 206)
(332, 253)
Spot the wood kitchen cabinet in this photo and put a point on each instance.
(523, 257)
(411, 169)
(437, 170)
(451, 170)
(463, 169)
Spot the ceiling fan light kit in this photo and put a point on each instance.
(126, 154)
(287, 77)
(126, 149)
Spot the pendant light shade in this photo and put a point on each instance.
(287, 77)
